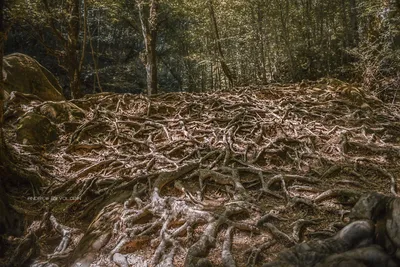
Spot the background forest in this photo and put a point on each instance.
(195, 46)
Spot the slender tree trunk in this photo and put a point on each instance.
(174, 74)
(85, 31)
(72, 49)
(71, 61)
(354, 39)
(212, 76)
(96, 69)
(218, 79)
(224, 66)
(203, 79)
(86, 35)
(345, 33)
(191, 84)
(148, 21)
(261, 41)
(286, 36)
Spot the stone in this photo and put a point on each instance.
(25, 75)
(360, 257)
(35, 129)
(354, 235)
(62, 111)
(365, 208)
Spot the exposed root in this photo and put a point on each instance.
(255, 252)
(193, 180)
(227, 257)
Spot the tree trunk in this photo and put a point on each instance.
(73, 49)
(260, 36)
(148, 21)
(70, 62)
(96, 69)
(283, 16)
(224, 66)
(354, 39)
(73, 73)
(85, 33)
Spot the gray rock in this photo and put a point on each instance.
(35, 129)
(25, 75)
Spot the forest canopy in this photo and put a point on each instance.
(183, 45)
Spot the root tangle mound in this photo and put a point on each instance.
(218, 179)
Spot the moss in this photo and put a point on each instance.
(25, 75)
(61, 111)
(35, 129)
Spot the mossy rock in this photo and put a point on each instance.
(62, 111)
(25, 75)
(35, 129)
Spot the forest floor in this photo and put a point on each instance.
(181, 179)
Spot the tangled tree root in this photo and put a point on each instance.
(222, 179)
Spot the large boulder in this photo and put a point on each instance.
(385, 212)
(317, 253)
(372, 240)
(24, 74)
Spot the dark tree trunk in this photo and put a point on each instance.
(149, 29)
(73, 49)
(70, 43)
(224, 66)
(354, 39)
(261, 40)
(283, 16)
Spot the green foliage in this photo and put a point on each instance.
(378, 54)
(262, 41)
